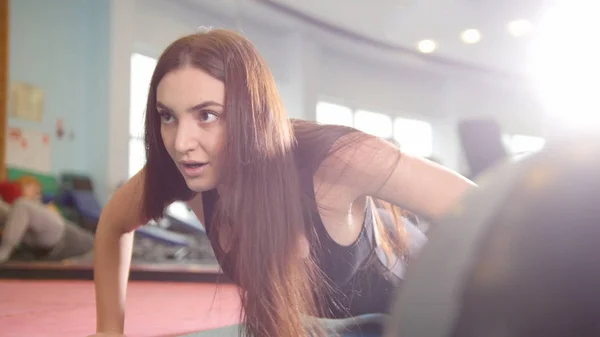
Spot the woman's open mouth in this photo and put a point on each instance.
(193, 169)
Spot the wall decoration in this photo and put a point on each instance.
(28, 149)
(26, 102)
(60, 129)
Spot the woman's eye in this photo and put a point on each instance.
(207, 116)
(165, 117)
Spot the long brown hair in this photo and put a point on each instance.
(261, 198)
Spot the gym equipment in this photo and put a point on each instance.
(9, 191)
(49, 183)
(78, 193)
(154, 244)
(78, 182)
(182, 219)
(517, 257)
(481, 140)
(163, 236)
(86, 205)
(78, 199)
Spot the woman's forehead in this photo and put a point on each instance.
(188, 87)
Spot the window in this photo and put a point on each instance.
(329, 113)
(142, 68)
(415, 137)
(375, 123)
(521, 145)
(137, 155)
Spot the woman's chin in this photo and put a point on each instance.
(199, 185)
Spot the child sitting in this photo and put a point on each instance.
(40, 227)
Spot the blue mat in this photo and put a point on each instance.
(87, 205)
(164, 236)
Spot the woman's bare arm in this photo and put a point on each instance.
(112, 256)
(422, 186)
(377, 168)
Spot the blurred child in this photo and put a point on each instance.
(40, 227)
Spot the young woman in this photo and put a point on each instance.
(289, 205)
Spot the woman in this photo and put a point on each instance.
(40, 227)
(288, 205)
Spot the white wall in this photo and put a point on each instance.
(158, 23)
(48, 49)
(63, 48)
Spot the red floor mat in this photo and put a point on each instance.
(66, 308)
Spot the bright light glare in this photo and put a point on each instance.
(565, 65)
(470, 36)
(520, 145)
(329, 113)
(427, 46)
(518, 28)
(415, 137)
(375, 123)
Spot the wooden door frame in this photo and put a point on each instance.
(4, 70)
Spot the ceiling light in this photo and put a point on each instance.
(427, 46)
(518, 28)
(470, 36)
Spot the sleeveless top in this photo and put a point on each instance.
(362, 282)
(359, 275)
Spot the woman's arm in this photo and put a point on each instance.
(112, 256)
(374, 167)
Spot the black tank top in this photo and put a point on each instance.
(361, 281)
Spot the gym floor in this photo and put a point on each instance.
(58, 308)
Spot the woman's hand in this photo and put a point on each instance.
(108, 334)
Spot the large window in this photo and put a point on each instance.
(329, 113)
(142, 68)
(374, 123)
(414, 136)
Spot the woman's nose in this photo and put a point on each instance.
(186, 139)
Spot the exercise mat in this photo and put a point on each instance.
(370, 325)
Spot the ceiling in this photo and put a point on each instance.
(398, 25)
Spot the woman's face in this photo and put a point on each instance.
(193, 125)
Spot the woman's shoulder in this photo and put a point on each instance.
(336, 143)
(317, 140)
(314, 142)
(304, 127)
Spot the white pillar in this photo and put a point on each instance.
(122, 16)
